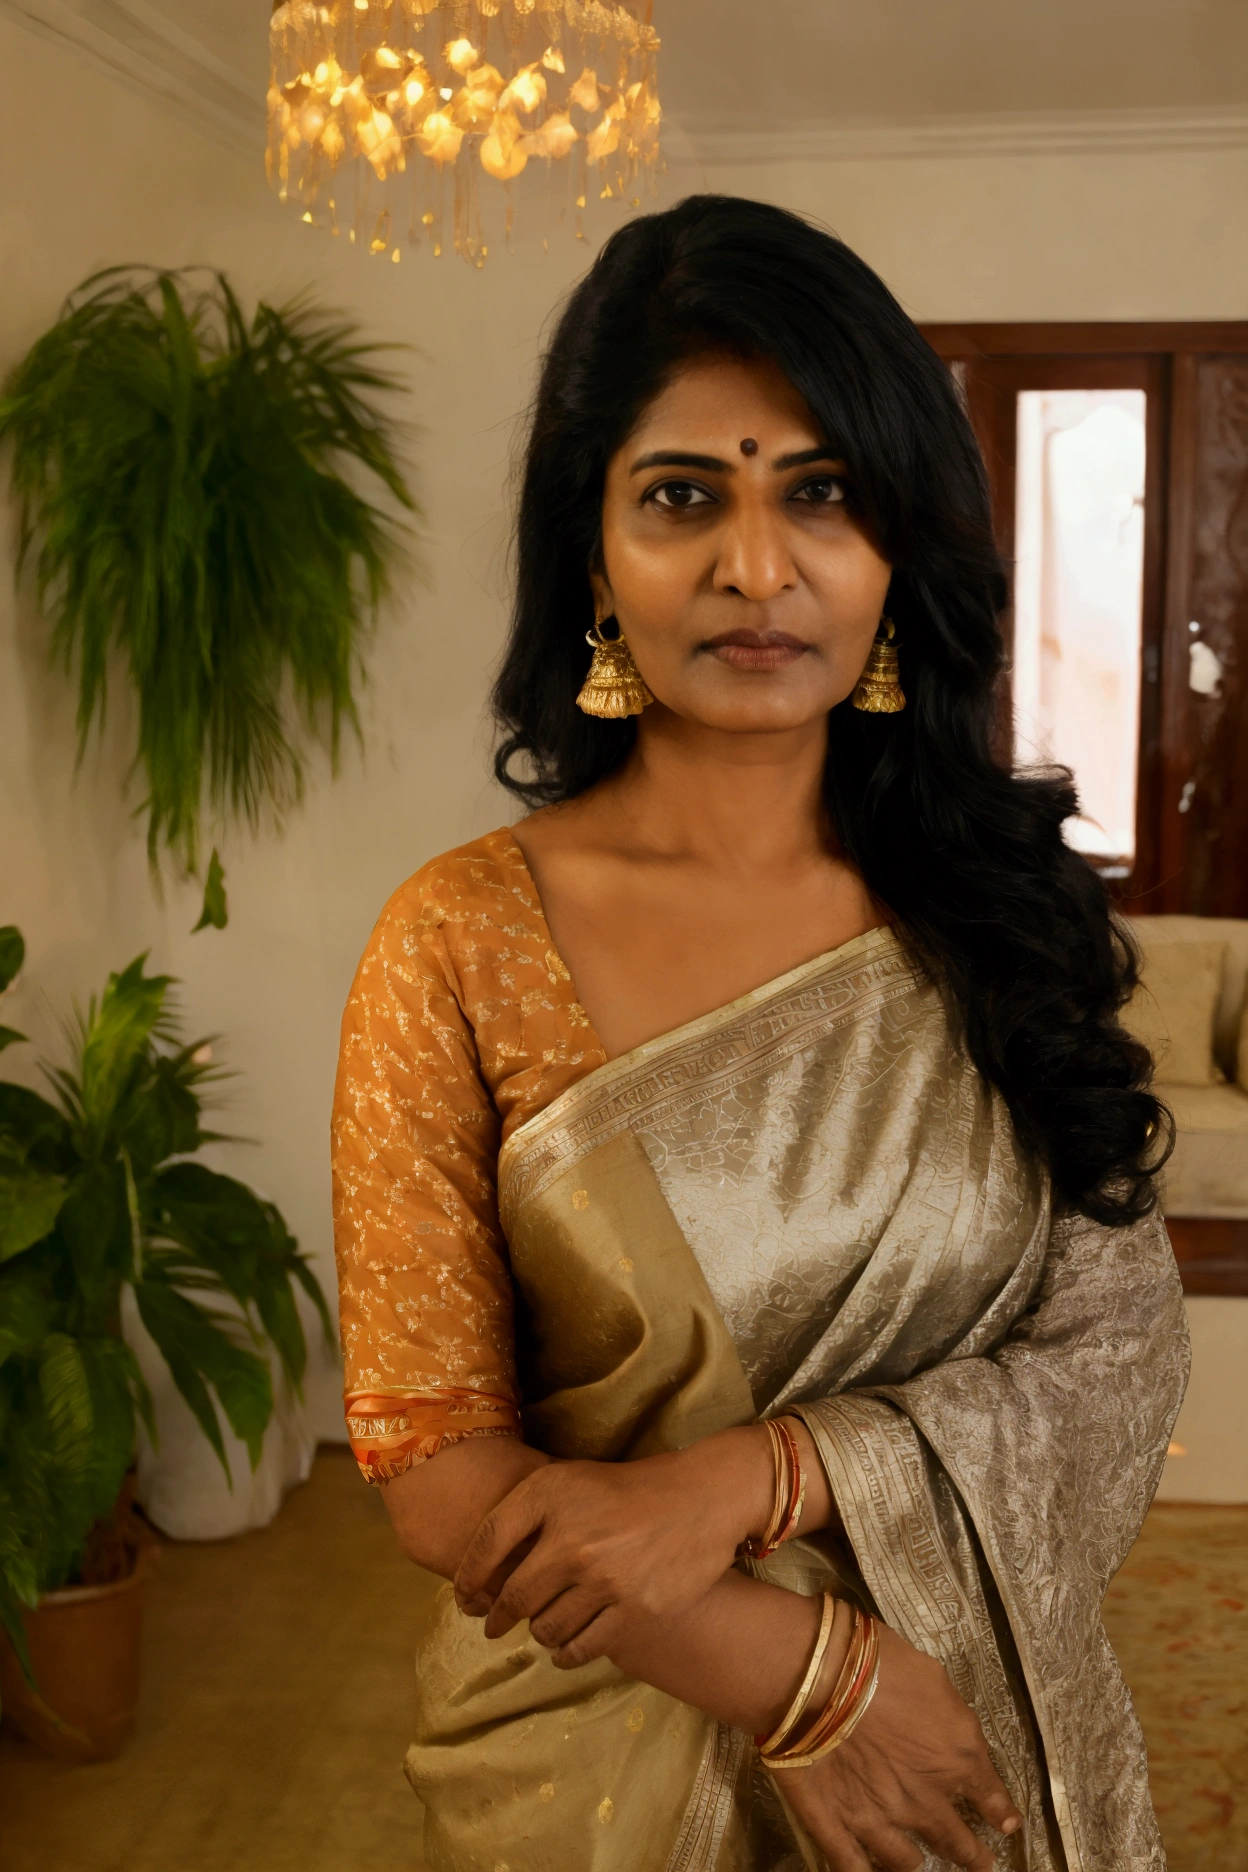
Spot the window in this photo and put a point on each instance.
(1117, 459)
(1078, 601)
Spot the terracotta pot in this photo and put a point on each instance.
(84, 1646)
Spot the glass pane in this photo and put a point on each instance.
(1079, 580)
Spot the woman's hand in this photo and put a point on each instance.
(918, 1750)
(604, 1543)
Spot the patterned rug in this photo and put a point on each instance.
(1178, 1618)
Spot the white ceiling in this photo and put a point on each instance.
(771, 64)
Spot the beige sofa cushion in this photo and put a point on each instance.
(1233, 931)
(1174, 1008)
(1208, 1173)
(1221, 1108)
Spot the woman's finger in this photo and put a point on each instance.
(943, 1829)
(989, 1796)
(515, 1518)
(835, 1842)
(889, 1848)
(499, 1577)
(564, 1619)
(594, 1640)
(534, 1585)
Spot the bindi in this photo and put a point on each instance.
(749, 446)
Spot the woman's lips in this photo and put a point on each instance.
(756, 650)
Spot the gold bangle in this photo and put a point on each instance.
(846, 1729)
(797, 1707)
(837, 1722)
(845, 1708)
(776, 1756)
(788, 1500)
(795, 1491)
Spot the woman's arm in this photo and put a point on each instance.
(739, 1654)
(585, 1549)
(436, 1508)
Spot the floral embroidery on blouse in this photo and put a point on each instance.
(461, 1024)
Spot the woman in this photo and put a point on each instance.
(769, 1073)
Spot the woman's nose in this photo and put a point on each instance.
(754, 558)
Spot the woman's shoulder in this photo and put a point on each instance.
(487, 877)
(463, 908)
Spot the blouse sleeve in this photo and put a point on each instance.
(426, 1297)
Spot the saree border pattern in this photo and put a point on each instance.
(874, 1458)
(711, 1802)
(778, 1020)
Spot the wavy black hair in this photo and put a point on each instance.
(966, 855)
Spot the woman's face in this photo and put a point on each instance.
(747, 589)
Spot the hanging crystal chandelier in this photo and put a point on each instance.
(385, 115)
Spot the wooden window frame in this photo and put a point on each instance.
(1160, 358)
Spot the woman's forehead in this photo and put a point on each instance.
(726, 400)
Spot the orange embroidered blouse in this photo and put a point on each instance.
(461, 1024)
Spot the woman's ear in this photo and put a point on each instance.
(604, 603)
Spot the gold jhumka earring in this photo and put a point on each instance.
(614, 687)
(878, 690)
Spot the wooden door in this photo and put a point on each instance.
(1204, 753)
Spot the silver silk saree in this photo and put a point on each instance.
(810, 1201)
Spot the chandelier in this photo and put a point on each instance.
(388, 118)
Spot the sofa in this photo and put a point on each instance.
(1190, 1011)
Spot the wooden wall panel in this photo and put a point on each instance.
(1216, 881)
(1212, 1255)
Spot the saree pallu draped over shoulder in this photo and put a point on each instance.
(810, 1201)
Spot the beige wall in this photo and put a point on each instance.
(1066, 236)
(116, 177)
(1209, 1459)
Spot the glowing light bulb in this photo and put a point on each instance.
(526, 91)
(460, 55)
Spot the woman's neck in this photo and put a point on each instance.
(700, 871)
(737, 801)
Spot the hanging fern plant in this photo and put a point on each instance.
(179, 474)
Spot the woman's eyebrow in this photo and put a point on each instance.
(711, 464)
(676, 458)
(825, 452)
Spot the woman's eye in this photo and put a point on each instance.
(679, 496)
(821, 491)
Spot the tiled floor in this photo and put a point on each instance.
(278, 1681)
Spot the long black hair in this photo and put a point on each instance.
(967, 856)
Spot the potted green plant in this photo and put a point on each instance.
(192, 486)
(99, 1190)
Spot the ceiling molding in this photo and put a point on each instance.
(1021, 133)
(136, 45)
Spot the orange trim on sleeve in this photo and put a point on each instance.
(391, 1432)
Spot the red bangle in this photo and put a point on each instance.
(790, 1495)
